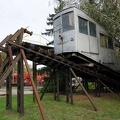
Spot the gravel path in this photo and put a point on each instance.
(27, 90)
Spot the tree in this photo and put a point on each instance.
(2, 57)
(106, 13)
(60, 5)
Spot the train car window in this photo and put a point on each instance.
(83, 25)
(103, 40)
(92, 28)
(68, 21)
(110, 43)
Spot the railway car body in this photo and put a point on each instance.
(75, 31)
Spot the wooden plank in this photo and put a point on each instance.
(20, 87)
(34, 87)
(34, 78)
(5, 40)
(8, 71)
(83, 89)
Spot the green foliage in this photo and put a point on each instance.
(60, 5)
(106, 13)
(2, 56)
(50, 87)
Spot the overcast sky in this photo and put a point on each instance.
(15, 14)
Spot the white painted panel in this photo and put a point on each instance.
(69, 41)
(93, 44)
(82, 43)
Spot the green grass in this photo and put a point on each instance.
(108, 109)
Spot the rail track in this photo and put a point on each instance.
(78, 64)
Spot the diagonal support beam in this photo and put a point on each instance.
(5, 40)
(34, 87)
(34, 78)
(4, 64)
(108, 89)
(9, 70)
(45, 88)
(83, 89)
(10, 53)
(3, 49)
(16, 34)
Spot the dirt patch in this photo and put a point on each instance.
(80, 98)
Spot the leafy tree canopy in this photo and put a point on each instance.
(106, 13)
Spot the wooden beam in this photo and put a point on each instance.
(20, 87)
(34, 87)
(108, 89)
(45, 88)
(9, 92)
(5, 40)
(83, 89)
(9, 70)
(34, 78)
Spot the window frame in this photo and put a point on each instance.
(81, 30)
(92, 29)
(69, 24)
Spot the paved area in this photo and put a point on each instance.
(27, 90)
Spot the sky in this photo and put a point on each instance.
(33, 14)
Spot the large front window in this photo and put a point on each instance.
(83, 26)
(68, 21)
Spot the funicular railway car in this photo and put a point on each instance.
(76, 32)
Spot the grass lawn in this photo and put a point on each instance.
(108, 109)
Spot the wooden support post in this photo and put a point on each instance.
(20, 87)
(83, 89)
(34, 88)
(97, 88)
(86, 85)
(56, 86)
(0, 60)
(69, 92)
(9, 92)
(8, 70)
(34, 78)
(67, 87)
(4, 64)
